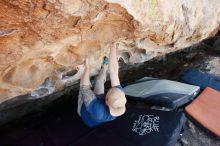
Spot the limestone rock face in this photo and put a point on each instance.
(44, 42)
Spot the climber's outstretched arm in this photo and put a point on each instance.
(113, 65)
(85, 78)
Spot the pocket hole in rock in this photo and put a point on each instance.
(48, 82)
(40, 92)
(70, 73)
(124, 56)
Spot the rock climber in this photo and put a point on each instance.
(96, 107)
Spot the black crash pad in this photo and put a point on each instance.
(153, 128)
(140, 127)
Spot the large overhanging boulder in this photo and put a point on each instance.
(43, 42)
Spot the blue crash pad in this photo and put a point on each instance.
(201, 79)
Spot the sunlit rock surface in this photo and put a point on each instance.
(43, 42)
